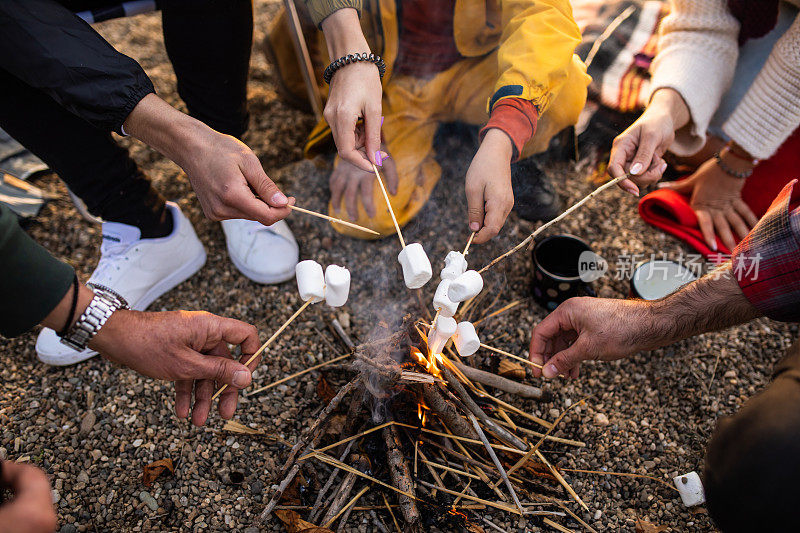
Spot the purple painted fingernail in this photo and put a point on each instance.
(378, 158)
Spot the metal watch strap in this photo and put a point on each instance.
(102, 306)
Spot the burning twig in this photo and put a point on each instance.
(447, 412)
(498, 382)
(470, 404)
(333, 219)
(401, 478)
(496, 461)
(269, 341)
(560, 217)
(298, 374)
(389, 205)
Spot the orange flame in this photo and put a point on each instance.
(431, 363)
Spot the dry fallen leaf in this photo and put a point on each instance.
(510, 369)
(324, 389)
(155, 469)
(295, 524)
(645, 526)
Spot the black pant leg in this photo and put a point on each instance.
(209, 43)
(752, 469)
(94, 167)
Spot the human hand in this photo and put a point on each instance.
(355, 92)
(230, 182)
(190, 348)
(31, 509)
(348, 182)
(640, 148)
(590, 328)
(490, 196)
(716, 198)
(226, 175)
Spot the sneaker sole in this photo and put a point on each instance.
(260, 278)
(165, 285)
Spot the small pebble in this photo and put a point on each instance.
(148, 500)
(600, 419)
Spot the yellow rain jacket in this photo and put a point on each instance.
(510, 48)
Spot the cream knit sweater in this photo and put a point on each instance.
(697, 55)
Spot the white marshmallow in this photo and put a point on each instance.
(465, 286)
(337, 285)
(466, 339)
(455, 264)
(690, 488)
(310, 280)
(416, 266)
(441, 302)
(441, 333)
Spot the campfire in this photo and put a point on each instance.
(424, 436)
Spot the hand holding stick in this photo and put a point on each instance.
(560, 217)
(269, 341)
(333, 219)
(389, 205)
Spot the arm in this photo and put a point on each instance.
(770, 110)
(533, 61)
(355, 92)
(49, 48)
(223, 171)
(604, 329)
(763, 278)
(178, 346)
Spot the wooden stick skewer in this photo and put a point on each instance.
(469, 242)
(333, 219)
(511, 355)
(389, 205)
(266, 344)
(560, 217)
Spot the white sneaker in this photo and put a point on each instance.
(139, 270)
(265, 254)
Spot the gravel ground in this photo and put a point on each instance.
(94, 426)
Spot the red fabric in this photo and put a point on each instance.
(517, 118)
(670, 211)
(427, 44)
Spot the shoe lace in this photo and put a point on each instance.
(112, 256)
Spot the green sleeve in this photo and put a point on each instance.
(32, 281)
(320, 9)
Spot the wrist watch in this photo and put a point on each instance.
(102, 306)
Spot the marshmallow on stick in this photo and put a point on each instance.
(440, 333)
(465, 286)
(455, 264)
(441, 303)
(337, 285)
(466, 339)
(310, 281)
(417, 269)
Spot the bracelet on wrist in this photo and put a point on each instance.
(738, 152)
(741, 174)
(331, 69)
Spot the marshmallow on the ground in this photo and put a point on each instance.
(465, 286)
(441, 332)
(466, 339)
(455, 264)
(310, 280)
(441, 302)
(337, 285)
(690, 488)
(416, 266)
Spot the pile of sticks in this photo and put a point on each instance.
(447, 452)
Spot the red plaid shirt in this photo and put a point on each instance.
(767, 262)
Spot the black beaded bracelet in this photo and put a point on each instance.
(729, 171)
(331, 69)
